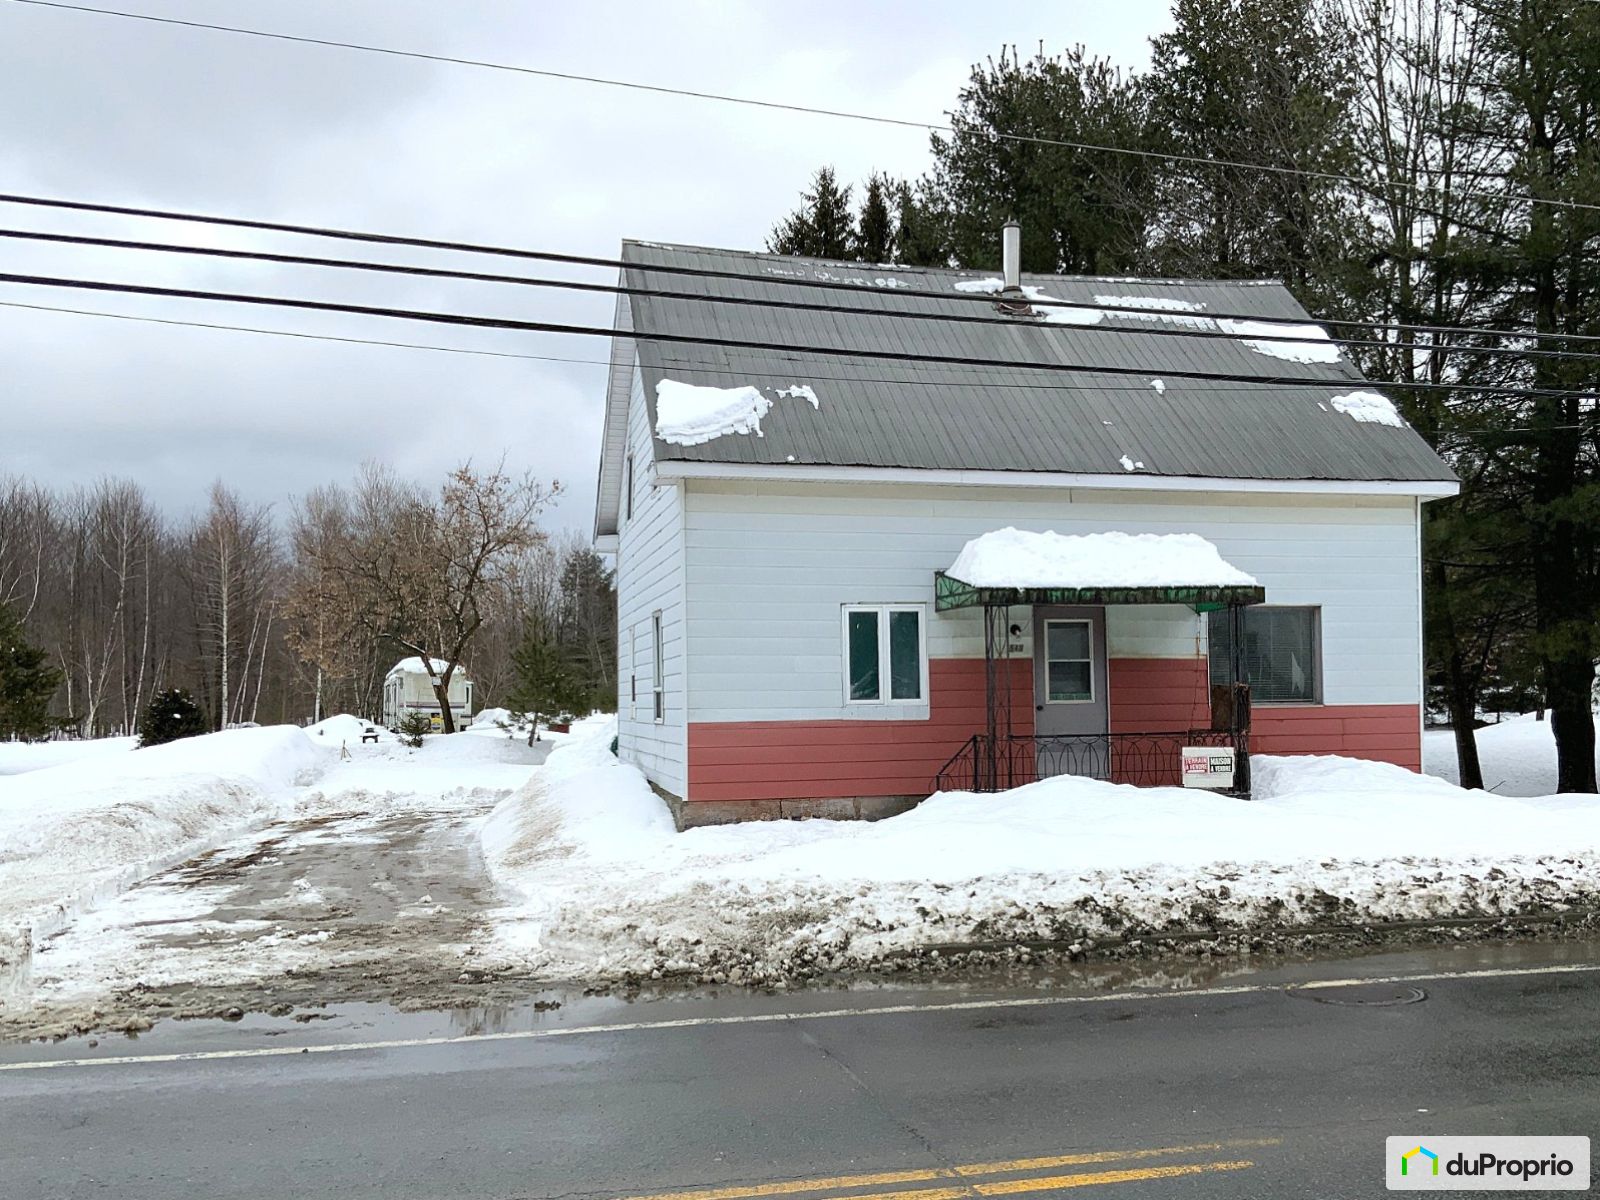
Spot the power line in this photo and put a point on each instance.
(703, 364)
(295, 333)
(484, 322)
(784, 106)
(831, 285)
(786, 377)
(1192, 319)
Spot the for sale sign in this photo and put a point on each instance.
(1208, 766)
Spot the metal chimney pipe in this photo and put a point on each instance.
(1011, 254)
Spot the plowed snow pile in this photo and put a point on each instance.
(608, 888)
(72, 834)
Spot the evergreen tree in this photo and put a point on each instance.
(875, 226)
(1269, 82)
(27, 683)
(548, 683)
(1081, 211)
(171, 715)
(823, 226)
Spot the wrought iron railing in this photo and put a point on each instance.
(1142, 759)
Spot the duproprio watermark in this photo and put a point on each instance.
(1486, 1164)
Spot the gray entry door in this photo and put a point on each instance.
(1069, 691)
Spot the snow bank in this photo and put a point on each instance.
(72, 834)
(336, 730)
(606, 888)
(1368, 408)
(687, 415)
(19, 757)
(1015, 558)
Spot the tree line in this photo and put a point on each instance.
(1422, 163)
(284, 618)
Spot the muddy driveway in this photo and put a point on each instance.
(374, 890)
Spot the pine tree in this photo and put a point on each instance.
(171, 715)
(875, 226)
(27, 684)
(823, 226)
(548, 685)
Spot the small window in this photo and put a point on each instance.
(657, 678)
(633, 673)
(885, 657)
(1069, 661)
(627, 492)
(1282, 659)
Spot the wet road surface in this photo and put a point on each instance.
(1249, 1088)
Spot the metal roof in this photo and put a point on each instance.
(887, 413)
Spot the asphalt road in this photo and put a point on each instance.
(1248, 1089)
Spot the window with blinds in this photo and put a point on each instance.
(1282, 653)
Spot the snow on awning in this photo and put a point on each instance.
(1014, 566)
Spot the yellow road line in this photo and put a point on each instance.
(1099, 1156)
(835, 1183)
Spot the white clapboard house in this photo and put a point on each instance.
(835, 590)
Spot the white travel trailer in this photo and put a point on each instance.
(408, 689)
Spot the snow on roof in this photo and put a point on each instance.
(413, 666)
(1016, 558)
(687, 415)
(1317, 347)
(1368, 407)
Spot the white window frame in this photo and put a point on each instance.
(884, 676)
(633, 672)
(627, 507)
(1088, 625)
(658, 685)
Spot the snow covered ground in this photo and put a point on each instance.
(607, 887)
(364, 881)
(1518, 756)
(19, 757)
(72, 834)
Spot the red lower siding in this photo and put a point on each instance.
(1383, 732)
(1159, 694)
(817, 760)
(807, 760)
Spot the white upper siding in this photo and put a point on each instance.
(650, 578)
(769, 565)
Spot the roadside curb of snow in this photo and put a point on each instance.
(802, 930)
(24, 933)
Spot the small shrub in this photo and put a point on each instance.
(171, 715)
(413, 727)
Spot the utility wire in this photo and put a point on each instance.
(1192, 320)
(1367, 185)
(692, 363)
(831, 285)
(1454, 434)
(485, 322)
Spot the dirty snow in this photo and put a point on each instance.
(1017, 558)
(607, 888)
(1369, 408)
(1313, 344)
(76, 833)
(1077, 314)
(366, 882)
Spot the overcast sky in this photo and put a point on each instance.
(123, 112)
